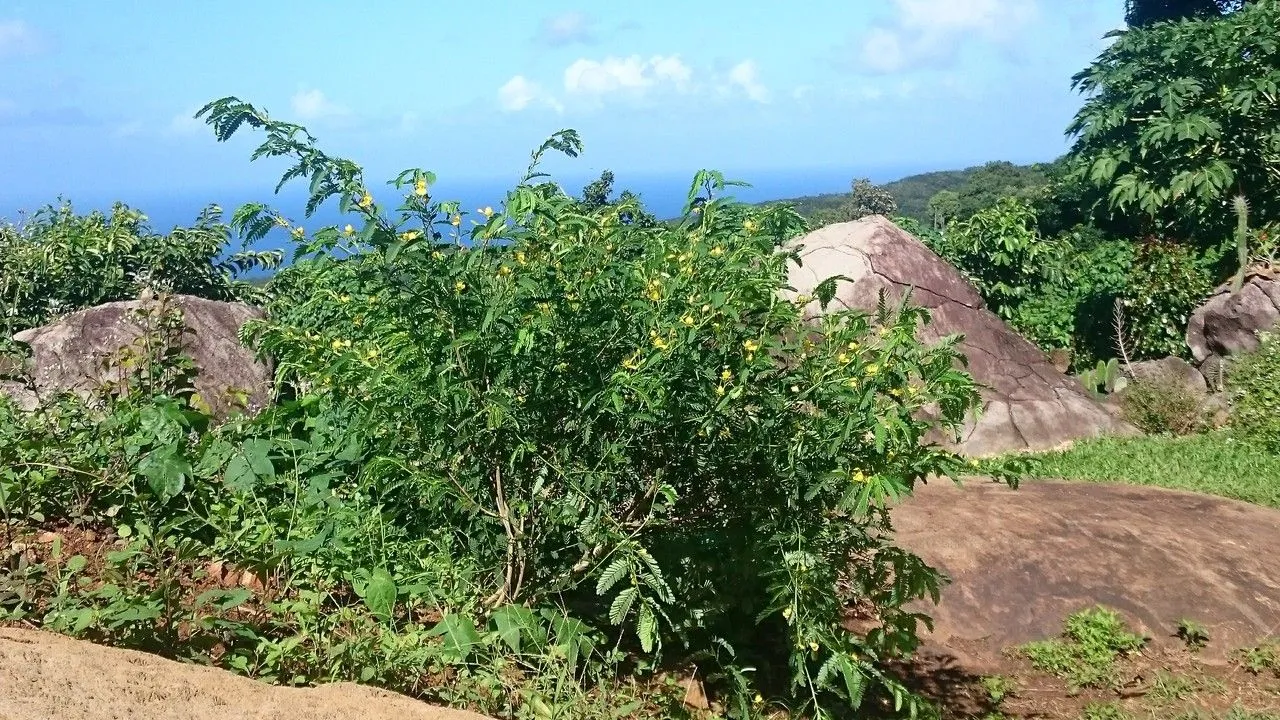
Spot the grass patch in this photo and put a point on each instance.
(1086, 653)
(1213, 463)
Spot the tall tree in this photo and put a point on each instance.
(1182, 116)
(1138, 13)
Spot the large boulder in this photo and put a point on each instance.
(1028, 404)
(76, 352)
(1228, 323)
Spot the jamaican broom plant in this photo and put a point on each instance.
(630, 426)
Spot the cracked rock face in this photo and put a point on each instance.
(1228, 323)
(1027, 403)
(70, 353)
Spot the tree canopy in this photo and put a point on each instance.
(1182, 116)
(1138, 13)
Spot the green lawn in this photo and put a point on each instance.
(1215, 464)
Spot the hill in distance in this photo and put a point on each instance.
(977, 187)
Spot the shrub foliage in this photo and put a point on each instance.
(58, 261)
(544, 435)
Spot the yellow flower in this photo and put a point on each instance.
(749, 225)
(336, 345)
(843, 358)
(487, 211)
(688, 320)
(913, 391)
(859, 476)
(654, 294)
(883, 331)
(720, 390)
(366, 201)
(298, 232)
(631, 363)
(281, 221)
(349, 230)
(717, 251)
(853, 346)
(758, 700)
(344, 298)
(706, 308)
(544, 307)
(459, 286)
(436, 254)
(726, 374)
(456, 220)
(420, 188)
(795, 388)
(660, 343)
(751, 346)
(520, 257)
(409, 235)
(872, 369)
(504, 271)
(896, 392)
(786, 613)
(813, 646)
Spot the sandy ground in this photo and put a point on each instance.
(44, 676)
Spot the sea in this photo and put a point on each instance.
(663, 195)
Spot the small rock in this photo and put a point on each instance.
(695, 696)
(216, 571)
(47, 537)
(1173, 368)
(252, 581)
(90, 536)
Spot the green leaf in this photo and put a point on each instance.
(380, 593)
(459, 634)
(516, 623)
(166, 471)
(616, 570)
(647, 628)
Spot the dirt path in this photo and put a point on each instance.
(44, 676)
(1022, 560)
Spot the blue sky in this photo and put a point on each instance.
(96, 97)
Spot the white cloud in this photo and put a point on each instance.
(313, 105)
(589, 82)
(566, 29)
(518, 93)
(18, 38)
(925, 31)
(631, 74)
(745, 77)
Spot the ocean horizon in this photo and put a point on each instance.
(663, 195)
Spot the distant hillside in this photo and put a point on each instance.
(978, 187)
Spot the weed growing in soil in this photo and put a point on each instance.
(1085, 655)
(1260, 658)
(1194, 634)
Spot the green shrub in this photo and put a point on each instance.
(1160, 404)
(552, 445)
(1167, 281)
(1254, 381)
(57, 262)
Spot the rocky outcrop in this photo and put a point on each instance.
(75, 352)
(1021, 561)
(1173, 369)
(1228, 323)
(44, 675)
(1028, 404)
